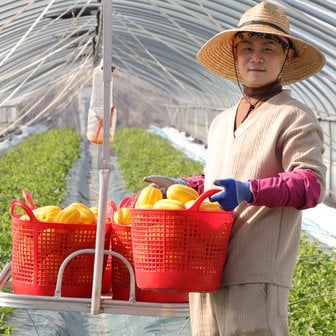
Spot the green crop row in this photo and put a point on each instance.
(39, 164)
(142, 153)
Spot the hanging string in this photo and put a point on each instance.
(262, 94)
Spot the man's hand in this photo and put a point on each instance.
(233, 194)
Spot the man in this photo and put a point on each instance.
(266, 153)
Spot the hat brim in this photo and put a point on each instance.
(217, 56)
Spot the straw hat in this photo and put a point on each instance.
(216, 54)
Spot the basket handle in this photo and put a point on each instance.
(201, 198)
(128, 202)
(28, 199)
(25, 207)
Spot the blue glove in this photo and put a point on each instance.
(234, 193)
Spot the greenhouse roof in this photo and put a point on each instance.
(56, 42)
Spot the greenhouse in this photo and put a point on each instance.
(137, 58)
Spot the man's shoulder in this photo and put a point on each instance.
(291, 105)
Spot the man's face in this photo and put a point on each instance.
(259, 61)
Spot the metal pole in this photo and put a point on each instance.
(104, 165)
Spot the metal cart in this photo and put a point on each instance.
(98, 303)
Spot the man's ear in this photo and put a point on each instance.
(290, 55)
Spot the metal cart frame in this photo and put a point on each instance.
(98, 303)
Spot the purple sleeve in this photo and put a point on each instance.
(298, 189)
(195, 182)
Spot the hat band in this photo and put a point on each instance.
(265, 23)
(283, 41)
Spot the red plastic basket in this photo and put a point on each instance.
(122, 243)
(180, 249)
(39, 248)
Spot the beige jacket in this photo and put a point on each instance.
(280, 135)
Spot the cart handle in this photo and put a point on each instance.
(92, 251)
